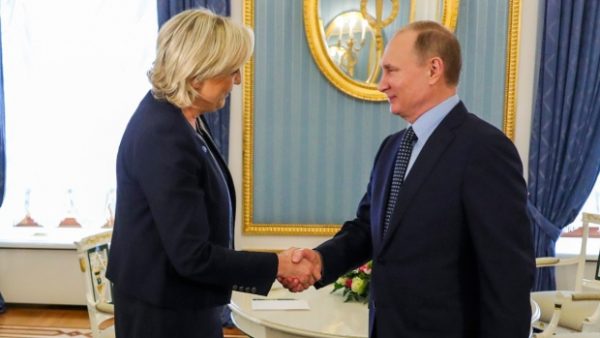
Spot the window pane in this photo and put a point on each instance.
(74, 71)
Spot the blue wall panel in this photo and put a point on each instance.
(313, 145)
(482, 31)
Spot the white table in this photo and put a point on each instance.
(328, 317)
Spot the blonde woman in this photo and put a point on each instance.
(171, 259)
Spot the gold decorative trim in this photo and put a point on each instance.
(93, 240)
(248, 169)
(318, 50)
(450, 16)
(82, 264)
(512, 64)
(360, 90)
(292, 229)
(248, 127)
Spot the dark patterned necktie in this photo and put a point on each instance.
(400, 165)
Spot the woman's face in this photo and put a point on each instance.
(212, 93)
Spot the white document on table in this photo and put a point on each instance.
(270, 304)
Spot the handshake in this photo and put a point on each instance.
(298, 269)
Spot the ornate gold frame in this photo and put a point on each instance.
(248, 125)
(338, 78)
(512, 65)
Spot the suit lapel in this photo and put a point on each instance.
(202, 123)
(436, 145)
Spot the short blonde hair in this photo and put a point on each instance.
(433, 39)
(196, 45)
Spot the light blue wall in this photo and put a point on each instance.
(482, 32)
(314, 146)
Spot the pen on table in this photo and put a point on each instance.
(273, 299)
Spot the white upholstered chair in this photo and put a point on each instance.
(570, 313)
(93, 257)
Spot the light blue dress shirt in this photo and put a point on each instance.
(425, 125)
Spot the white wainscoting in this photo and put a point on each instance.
(40, 265)
(41, 276)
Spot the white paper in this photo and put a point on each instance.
(270, 304)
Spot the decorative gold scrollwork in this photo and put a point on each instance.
(337, 58)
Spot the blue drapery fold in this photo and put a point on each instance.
(564, 159)
(218, 122)
(2, 129)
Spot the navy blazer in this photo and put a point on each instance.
(457, 259)
(174, 217)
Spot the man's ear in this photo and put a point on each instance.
(436, 70)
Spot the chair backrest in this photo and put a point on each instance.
(573, 315)
(580, 259)
(587, 219)
(93, 257)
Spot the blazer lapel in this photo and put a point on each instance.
(429, 155)
(221, 161)
(202, 124)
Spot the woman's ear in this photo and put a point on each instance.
(197, 85)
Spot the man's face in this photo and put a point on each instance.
(405, 79)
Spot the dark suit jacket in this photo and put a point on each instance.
(457, 260)
(174, 219)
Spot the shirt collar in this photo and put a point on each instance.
(426, 123)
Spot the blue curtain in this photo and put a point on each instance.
(2, 140)
(218, 122)
(565, 137)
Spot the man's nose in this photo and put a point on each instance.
(382, 85)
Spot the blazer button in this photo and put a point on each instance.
(247, 289)
(253, 290)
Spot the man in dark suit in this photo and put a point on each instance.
(443, 217)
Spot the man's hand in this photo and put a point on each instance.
(301, 258)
